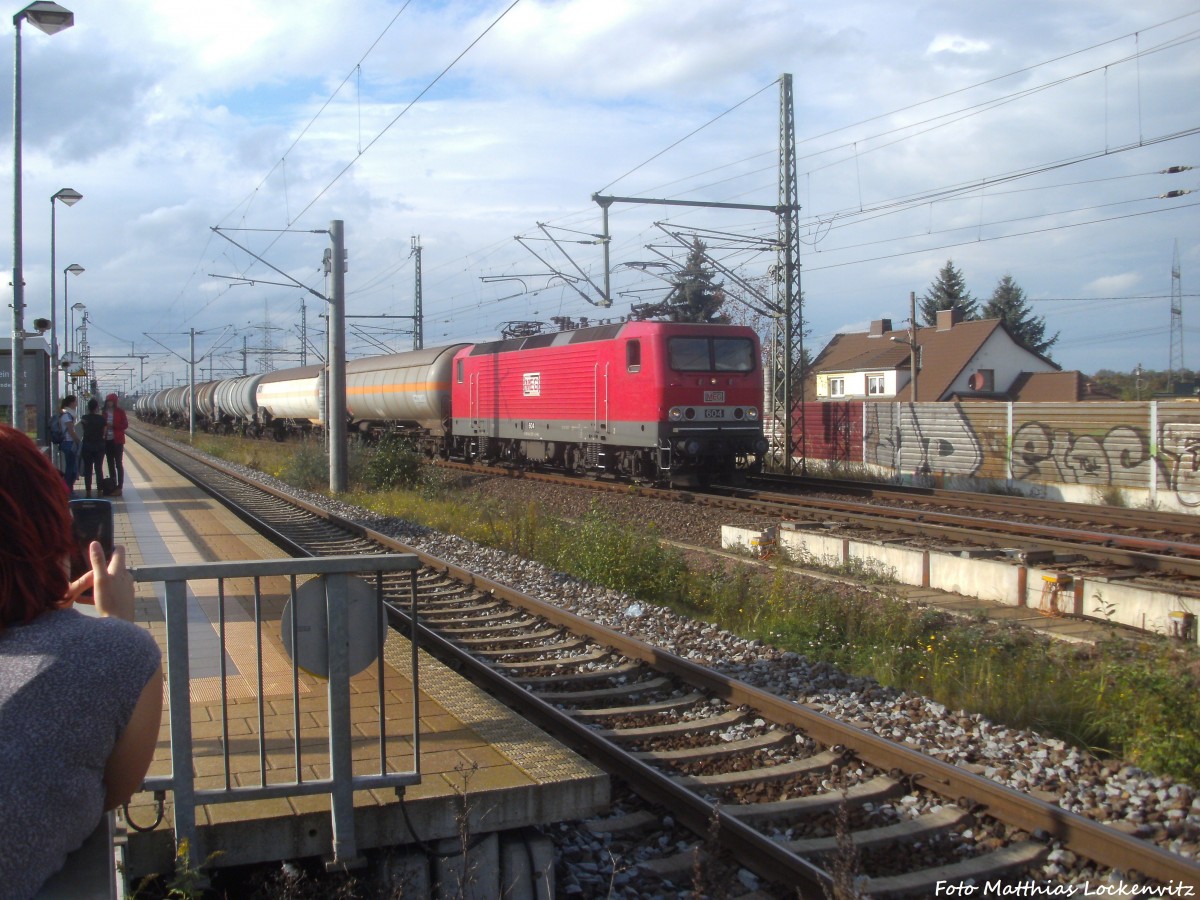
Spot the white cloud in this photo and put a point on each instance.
(170, 122)
(1114, 285)
(956, 43)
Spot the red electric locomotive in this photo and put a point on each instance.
(652, 400)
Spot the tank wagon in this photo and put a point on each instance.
(649, 400)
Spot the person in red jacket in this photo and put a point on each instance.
(115, 422)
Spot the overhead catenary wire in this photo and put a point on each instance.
(497, 250)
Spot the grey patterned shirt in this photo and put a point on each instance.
(68, 687)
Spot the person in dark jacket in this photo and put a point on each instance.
(92, 453)
(114, 441)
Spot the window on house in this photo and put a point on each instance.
(875, 385)
(633, 356)
(837, 387)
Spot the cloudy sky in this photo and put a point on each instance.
(1026, 138)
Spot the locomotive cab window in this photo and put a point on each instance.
(459, 367)
(701, 354)
(633, 356)
(733, 355)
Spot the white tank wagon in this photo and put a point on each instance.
(206, 404)
(175, 401)
(237, 397)
(292, 398)
(403, 391)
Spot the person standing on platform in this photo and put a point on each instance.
(92, 425)
(114, 441)
(70, 442)
(80, 696)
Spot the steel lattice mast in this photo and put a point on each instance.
(787, 391)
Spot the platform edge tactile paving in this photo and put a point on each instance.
(524, 744)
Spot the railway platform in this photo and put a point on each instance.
(486, 777)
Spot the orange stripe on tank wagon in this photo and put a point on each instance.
(397, 388)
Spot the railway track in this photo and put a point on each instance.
(770, 778)
(1095, 517)
(1126, 544)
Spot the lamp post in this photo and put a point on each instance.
(75, 309)
(51, 19)
(70, 197)
(73, 269)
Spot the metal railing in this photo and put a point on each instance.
(334, 601)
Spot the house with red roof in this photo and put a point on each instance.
(955, 360)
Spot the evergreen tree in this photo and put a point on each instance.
(947, 291)
(1008, 303)
(694, 297)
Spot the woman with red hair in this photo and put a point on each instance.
(80, 696)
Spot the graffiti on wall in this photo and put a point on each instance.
(1042, 452)
(1073, 447)
(928, 441)
(1179, 460)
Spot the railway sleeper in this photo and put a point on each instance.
(645, 709)
(534, 649)
(482, 626)
(448, 596)
(922, 828)
(625, 669)
(879, 788)
(780, 772)
(924, 882)
(494, 611)
(592, 656)
(732, 717)
(484, 641)
(716, 751)
(657, 683)
(633, 822)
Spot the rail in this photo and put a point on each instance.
(335, 602)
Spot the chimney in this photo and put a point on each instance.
(880, 327)
(948, 318)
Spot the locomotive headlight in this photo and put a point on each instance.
(689, 413)
(752, 413)
(675, 414)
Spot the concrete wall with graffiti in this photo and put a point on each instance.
(1149, 452)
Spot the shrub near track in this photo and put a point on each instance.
(1139, 702)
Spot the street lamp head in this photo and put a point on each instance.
(78, 306)
(69, 196)
(49, 18)
(74, 269)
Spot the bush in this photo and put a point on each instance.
(611, 554)
(394, 463)
(307, 467)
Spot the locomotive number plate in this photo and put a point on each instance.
(531, 384)
(717, 413)
(714, 396)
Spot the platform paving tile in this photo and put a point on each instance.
(469, 741)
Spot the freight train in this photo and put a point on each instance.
(651, 401)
